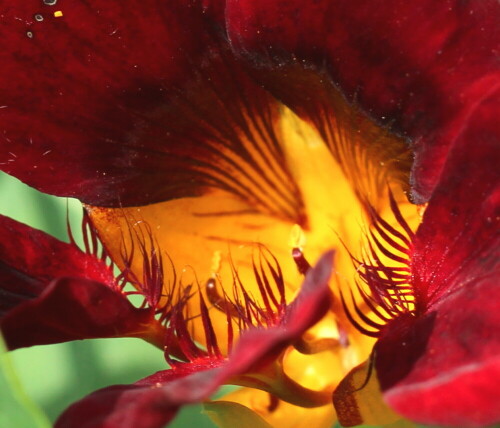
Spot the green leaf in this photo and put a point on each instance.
(16, 408)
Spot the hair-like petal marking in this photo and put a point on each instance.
(439, 363)
(153, 401)
(424, 81)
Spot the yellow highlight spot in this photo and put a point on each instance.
(297, 237)
(58, 13)
(421, 209)
(216, 261)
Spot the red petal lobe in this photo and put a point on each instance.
(419, 67)
(53, 292)
(441, 366)
(153, 401)
(72, 309)
(30, 259)
(444, 369)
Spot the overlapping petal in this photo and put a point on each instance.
(134, 103)
(421, 68)
(447, 366)
(438, 363)
(153, 401)
(145, 128)
(54, 292)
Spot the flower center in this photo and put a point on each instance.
(213, 240)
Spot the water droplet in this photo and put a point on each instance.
(50, 2)
(38, 17)
(29, 34)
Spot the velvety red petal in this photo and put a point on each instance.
(119, 108)
(419, 67)
(75, 87)
(442, 366)
(153, 401)
(30, 259)
(458, 241)
(72, 309)
(135, 407)
(53, 292)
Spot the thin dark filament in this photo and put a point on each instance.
(363, 317)
(390, 286)
(353, 321)
(245, 158)
(371, 304)
(385, 251)
(210, 336)
(378, 221)
(399, 217)
(268, 137)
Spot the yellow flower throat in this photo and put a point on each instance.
(212, 237)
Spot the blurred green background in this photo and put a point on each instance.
(55, 376)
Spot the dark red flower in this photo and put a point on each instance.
(198, 129)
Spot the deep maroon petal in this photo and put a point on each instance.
(442, 365)
(458, 240)
(53, 292)
(136, 407)
(420, 67)
(31, 259)
(72, 309)
(132, 103)
(444, 368)
(76, 88)
(153, 401)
